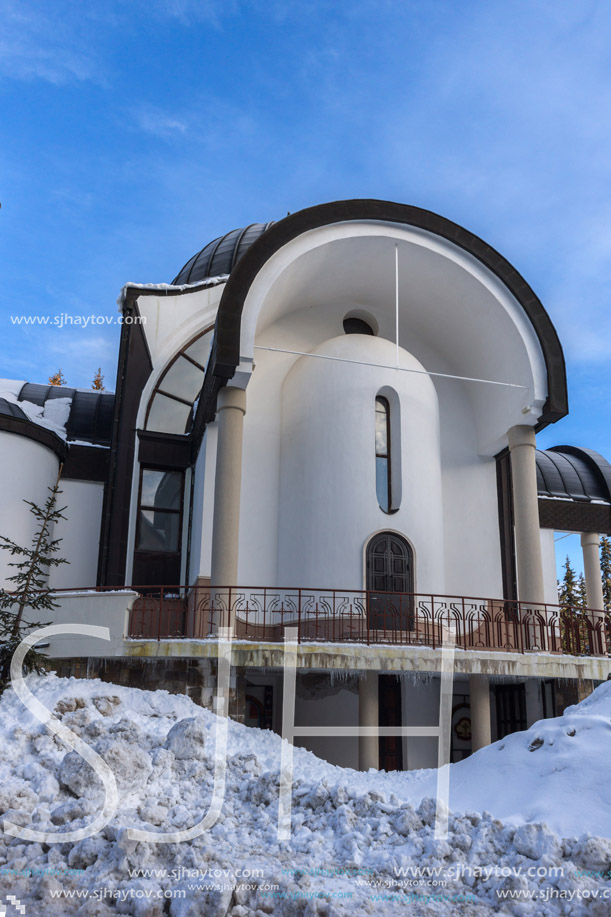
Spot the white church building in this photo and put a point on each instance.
(325, 424)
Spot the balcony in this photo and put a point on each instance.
(262, 614)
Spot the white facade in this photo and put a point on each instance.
(241, 453)
(27, 470)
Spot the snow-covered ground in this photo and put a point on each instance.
(361, 843)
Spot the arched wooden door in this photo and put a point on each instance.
(390, 582)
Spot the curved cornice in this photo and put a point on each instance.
(31, 430)
(225, 356)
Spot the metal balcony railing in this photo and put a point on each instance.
(366, 617)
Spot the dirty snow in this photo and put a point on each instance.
(352, 833)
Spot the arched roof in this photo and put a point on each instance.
(221, 255)
(570, 473)
(90, 414)
(9, 409)
(226, 350)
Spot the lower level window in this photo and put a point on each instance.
(160, 511)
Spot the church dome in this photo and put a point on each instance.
(221, 255)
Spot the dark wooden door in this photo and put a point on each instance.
(390, 582)
(389, 712)
(510, 709)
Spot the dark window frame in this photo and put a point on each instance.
(158, 389)
(141, 507)
(381, 399)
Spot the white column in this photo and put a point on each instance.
(590, 545)
(526, 514)
(369, 755)
(481, 733)
(231, 408)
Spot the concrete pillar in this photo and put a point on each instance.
(231, 407)
(369, 746)
(481, 733)
(590, 545)
(526, 514)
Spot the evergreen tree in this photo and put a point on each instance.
(32, 591)
(582, 598)
(568, 588)
(605, 567)
(98, 381)
(57, 378)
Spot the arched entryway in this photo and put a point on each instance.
(390, 607)
(390, 582)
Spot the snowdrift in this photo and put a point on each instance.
(360, 844)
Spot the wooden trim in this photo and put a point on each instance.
(171, 451)
(86, 463)
(134, 368)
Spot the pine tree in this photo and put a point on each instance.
(605, 567)
(582, 598)
(57, 378)
(98, 381)
(31, 590)
(568, 588)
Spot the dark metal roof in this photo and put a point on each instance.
(91, 412)
(8, 409)
(221, 255)
(575, 474)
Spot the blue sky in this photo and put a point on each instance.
(131, 133)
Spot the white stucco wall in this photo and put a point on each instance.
(103, 609)
(308, 470)
(328, 506)
(27, 469)
(470, 500)
(80, 534)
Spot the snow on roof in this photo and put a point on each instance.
(79, 415)
(53, 415)
(168, 288)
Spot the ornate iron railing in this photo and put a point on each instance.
(361, 616)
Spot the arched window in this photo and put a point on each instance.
(383, 463)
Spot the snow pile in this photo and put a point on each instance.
(557, 772)
(360, 844)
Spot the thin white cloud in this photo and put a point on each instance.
(47, 42)
(154, 121)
